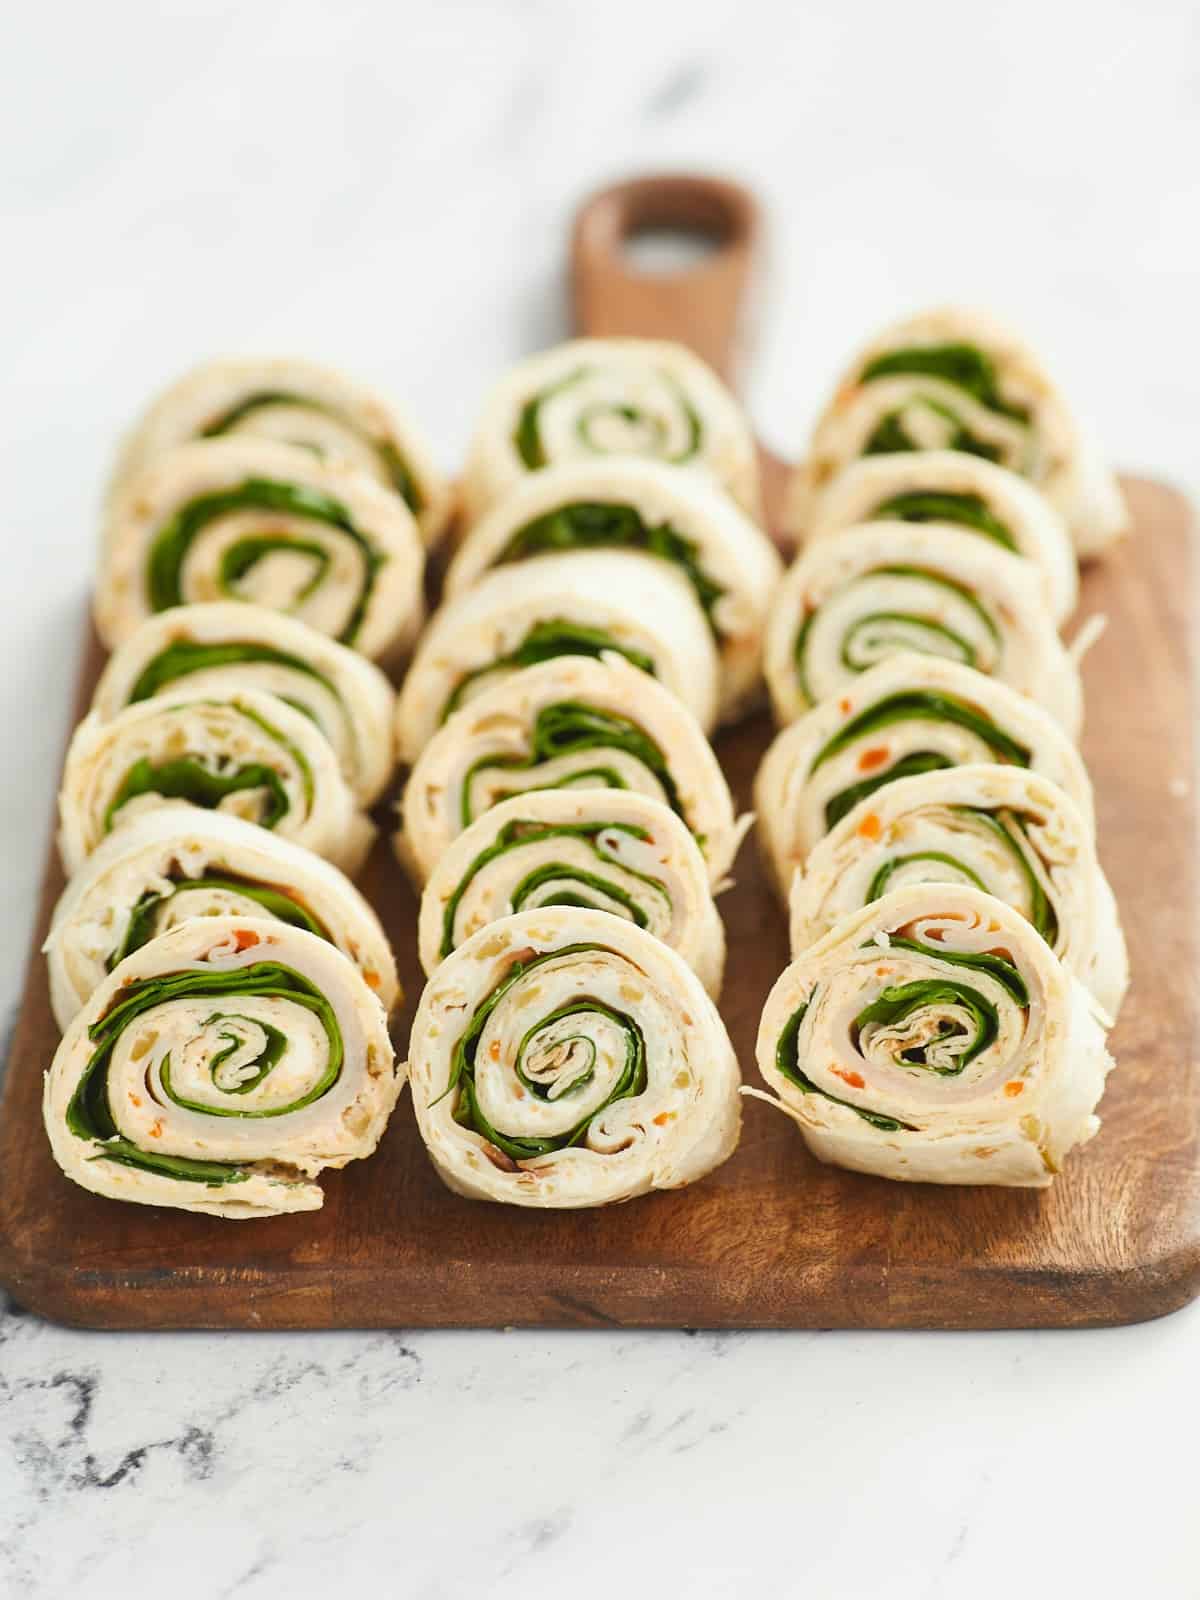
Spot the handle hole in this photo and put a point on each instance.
(659, 250)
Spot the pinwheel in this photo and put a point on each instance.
(849, 602)
(606, 849)
(933, 1036)
(582, 603)
(910, 714)
(729, 563)
(610, 397)
(1003, 829)
(220, 1068)
(180, 862)
(250, 519)
(566, 1058)
(249, 754)
(957, 490)
(299, 403)
(954, 379)
(571, 723)
(213, 649)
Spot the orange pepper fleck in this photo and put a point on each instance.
(663, 1118)
(156, 1130)
(372, 980)
(494, 1049)
(134, 1100)
(1013, 1089)
(872, 758)
(870, 827)
(844, 707)
(854, 1079)
(245, 939)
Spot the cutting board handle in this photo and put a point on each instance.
(702, 306)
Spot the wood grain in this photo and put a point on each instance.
(772, 1239)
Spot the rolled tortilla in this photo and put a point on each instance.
(730, 565)
(934, 1037)
(585, 602)
(955, 379)
(249, 519)
(1006, 830)
(294, 402)
(953, 489)
(569, 723)
(606, 849)
(910, 714)
(610, 397)
(227, 646)
(848, 603)
(179, 862)
(565, 1058)
(219, 1069)
(248, 754)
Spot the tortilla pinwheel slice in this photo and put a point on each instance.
(227, 646)
(850, 602)
(595, 398)
(565, 1058)
(604, 849)
(180, 862)
(965, 492)
(248, 754)
(251, 519)
(1005, 830)
(580, 603)
(954, 379)
(730, 564)
(220, 1068)
(568, 724)
(910, 714)
(332, 417)
(934, 1037)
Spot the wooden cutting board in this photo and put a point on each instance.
(772, 1239)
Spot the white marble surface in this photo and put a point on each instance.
(387, 186)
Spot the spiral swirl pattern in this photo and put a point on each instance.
(568, 724)
(934, 1037)
(1001, 829)
(954, 380)
(179, 862)
(594, 399)
(252, 520)
(563, 1057)
(220, 1068)
(909, 715)
(950, 489)
(249, 755)
(223, 647)
(299, 403)
(606, 850)
(849, 603)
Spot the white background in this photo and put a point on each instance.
(387, 187)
